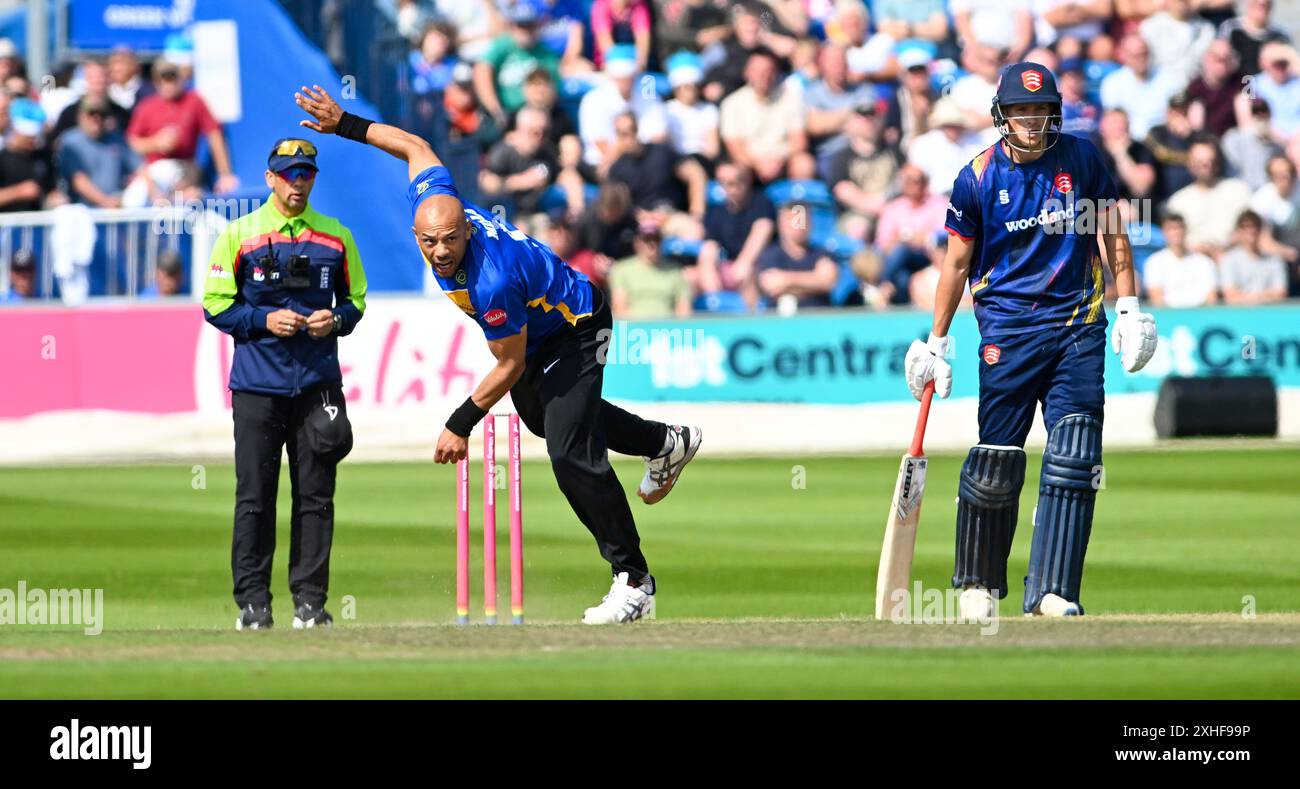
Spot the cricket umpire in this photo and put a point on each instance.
(286, 282)
(1027, 223)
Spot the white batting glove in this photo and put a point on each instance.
(1134, 337)
(925, 362)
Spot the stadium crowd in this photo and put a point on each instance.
(710, 155)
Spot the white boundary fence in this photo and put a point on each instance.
(128, 244)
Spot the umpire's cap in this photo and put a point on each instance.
(1027, 83)
(290, 151)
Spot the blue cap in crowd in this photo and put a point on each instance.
(523, 14)
(1071, 66)
(685, 68)
(620, 61)
(26, 117)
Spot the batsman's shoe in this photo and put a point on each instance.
(976, 604)
(1055, 605)
(251, 618)
(308, 616)
(661, 472)
(623, 604)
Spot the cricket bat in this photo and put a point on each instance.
(893, 579)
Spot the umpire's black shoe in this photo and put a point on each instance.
(309, 615)
(255, 618)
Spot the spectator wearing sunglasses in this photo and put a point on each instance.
(94, 78)
(95, 161)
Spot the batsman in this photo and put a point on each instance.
(1029, 220)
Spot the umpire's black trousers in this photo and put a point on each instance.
(263, 425)
(559, 399)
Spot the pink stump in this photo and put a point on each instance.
(490, 519)
(462, 542)
(516, 526)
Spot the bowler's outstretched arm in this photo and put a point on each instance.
(327, 115)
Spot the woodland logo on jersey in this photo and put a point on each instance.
(94, 743)
(1086, 216)
(23, 606)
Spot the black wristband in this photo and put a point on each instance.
(462, 420)
(353, 127)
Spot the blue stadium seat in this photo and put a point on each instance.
(662, 86)
(571, 91)
(724, 301)
(573, 88)
(815, 193)
(680, 248)
(716, 194)
(554, 197)
(823, 224)
(842, 246)
(942, 82)
(846, 287)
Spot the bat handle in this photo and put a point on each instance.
(918, 437)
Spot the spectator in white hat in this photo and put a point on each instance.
(946, 148)
(623, 92)
(692, 122)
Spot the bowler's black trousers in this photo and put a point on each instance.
(559, 398)
(263, 425)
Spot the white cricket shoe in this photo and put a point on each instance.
(661, 472)
(623, 604)
(1055, 605)
(976, 604)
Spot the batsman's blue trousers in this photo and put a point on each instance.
(1061, 367)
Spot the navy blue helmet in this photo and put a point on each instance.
(1027, 83)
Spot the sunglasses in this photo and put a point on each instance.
(294, 148)
(168, 76)
(292, 174)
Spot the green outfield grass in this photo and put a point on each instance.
(766, 575)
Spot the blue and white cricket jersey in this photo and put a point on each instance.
(506, 279)
(1033, 267)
